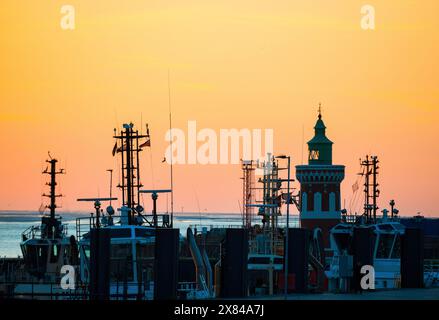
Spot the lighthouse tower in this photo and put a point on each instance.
(320, 184)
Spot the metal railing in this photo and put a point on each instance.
(84, 224)
(431, 268)
(35, 231)
(352, 219)
(209, 227)
(265, 246)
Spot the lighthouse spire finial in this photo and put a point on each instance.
(320, 110)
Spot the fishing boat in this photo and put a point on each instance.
(46, 247)
(131, 231)
(385, 237)
(386, 244)
(131, 269)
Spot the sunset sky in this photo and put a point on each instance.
(233, 64)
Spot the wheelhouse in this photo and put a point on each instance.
(131, 253)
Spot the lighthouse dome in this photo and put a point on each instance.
(320, 147)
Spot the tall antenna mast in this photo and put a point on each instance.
(303, 138)
(170, 133)
(111, 183)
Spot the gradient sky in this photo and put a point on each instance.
(233, 64)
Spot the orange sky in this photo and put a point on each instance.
(234, 64)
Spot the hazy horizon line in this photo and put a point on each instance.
(80, 212)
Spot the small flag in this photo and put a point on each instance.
(355, 187)
(114, 149)
(285, 197)
(42, 208)
(147, 143)
(122, 148)
(277, 200)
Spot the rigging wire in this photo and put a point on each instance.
(142, 199)
(354, 199)
(357, 204)
(151, 166)
(42, 207)
(170, 134)
(198, 203)
(119, 173)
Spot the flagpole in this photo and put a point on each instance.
(170, 134)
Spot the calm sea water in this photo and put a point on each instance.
(12, 224)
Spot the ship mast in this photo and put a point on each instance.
(248, 177)
(51, 222)
(270, 188)
(371, 191)
(128, 140)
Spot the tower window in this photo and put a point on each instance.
(314, 154)
(325, 201)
